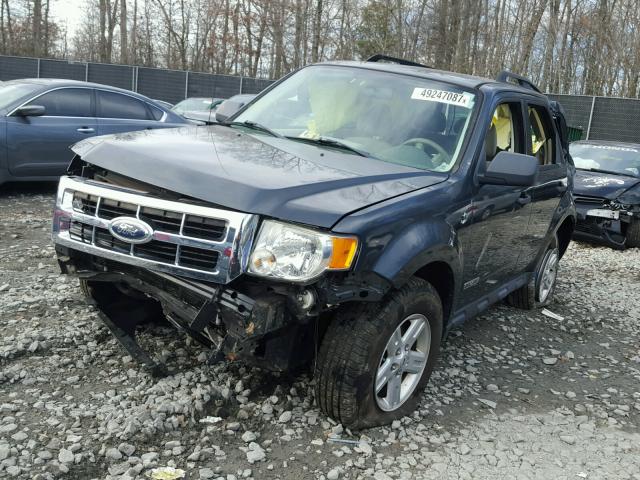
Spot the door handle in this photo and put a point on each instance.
(86, 130)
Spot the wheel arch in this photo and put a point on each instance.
(441, 276)
(564, 232)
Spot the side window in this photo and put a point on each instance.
(542, 137)
(66, 102)
(505, 131)
(156, 113)
(115, 105)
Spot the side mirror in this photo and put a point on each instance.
(514, 169)
(226, 109)
(30, 111)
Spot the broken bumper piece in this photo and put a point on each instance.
(258, 327)
(602, 225)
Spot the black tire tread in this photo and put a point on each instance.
(344, 353)
(522, 298)
(633, 234)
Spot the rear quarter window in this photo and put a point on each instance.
(116, 105)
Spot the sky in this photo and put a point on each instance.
(68, 13)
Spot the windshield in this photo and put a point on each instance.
(624, 160)
(399, 119)
(11, 93)
(194, 105)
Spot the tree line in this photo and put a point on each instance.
(566, 46)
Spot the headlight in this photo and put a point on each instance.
(630, 198)
(297, 254)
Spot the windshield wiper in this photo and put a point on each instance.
(254, 126)
(332, 142)
(611, 172)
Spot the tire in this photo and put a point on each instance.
(356, 344)
(633, 234)
(539, 291)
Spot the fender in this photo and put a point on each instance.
(417, 245)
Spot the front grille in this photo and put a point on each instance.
(104, 239)
(588, 227)
(197, 258)
(591, 201)
(161, 219)
(80, 232)
(195, 241)
(167, 221)
(202, 227)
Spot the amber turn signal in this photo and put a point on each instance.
(344, 251)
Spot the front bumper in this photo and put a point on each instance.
(244, 321)
(602, 224)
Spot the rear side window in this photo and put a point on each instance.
(542, 135)
(156, 113)
(116, 105)
(66, 102)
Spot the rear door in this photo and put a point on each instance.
(119, 112)
(543, 142)
(39, 146)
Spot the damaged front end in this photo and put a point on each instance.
(604, 221)
(140, 258)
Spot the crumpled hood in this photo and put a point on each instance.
(259, 174)
(604, 185)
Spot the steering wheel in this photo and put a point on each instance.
(439, 150)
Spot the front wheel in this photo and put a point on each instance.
(375, 359)
(633, 234)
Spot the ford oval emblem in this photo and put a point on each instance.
(130, 230)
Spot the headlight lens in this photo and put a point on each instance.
(297, 254)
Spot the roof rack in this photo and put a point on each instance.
(506, 75)
(386, 58)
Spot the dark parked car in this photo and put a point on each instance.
(360, 210)
(607, 192)
(41, 118)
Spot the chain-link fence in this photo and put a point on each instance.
(161, 84)
(599, 118)
(603, 118)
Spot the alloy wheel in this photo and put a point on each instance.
(402, 362)
(548, 275)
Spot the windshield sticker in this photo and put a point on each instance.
(610, 147)
(443, 96)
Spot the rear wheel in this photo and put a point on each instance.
(539, 291)
(633, 234)
(375, 359)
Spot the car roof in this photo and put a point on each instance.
(461, 79)
(611, 143)
(61, 82)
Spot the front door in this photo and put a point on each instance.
(495, 222)
(39, 146)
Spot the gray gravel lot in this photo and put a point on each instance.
(516, 394)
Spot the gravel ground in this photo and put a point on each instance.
(516, 394)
